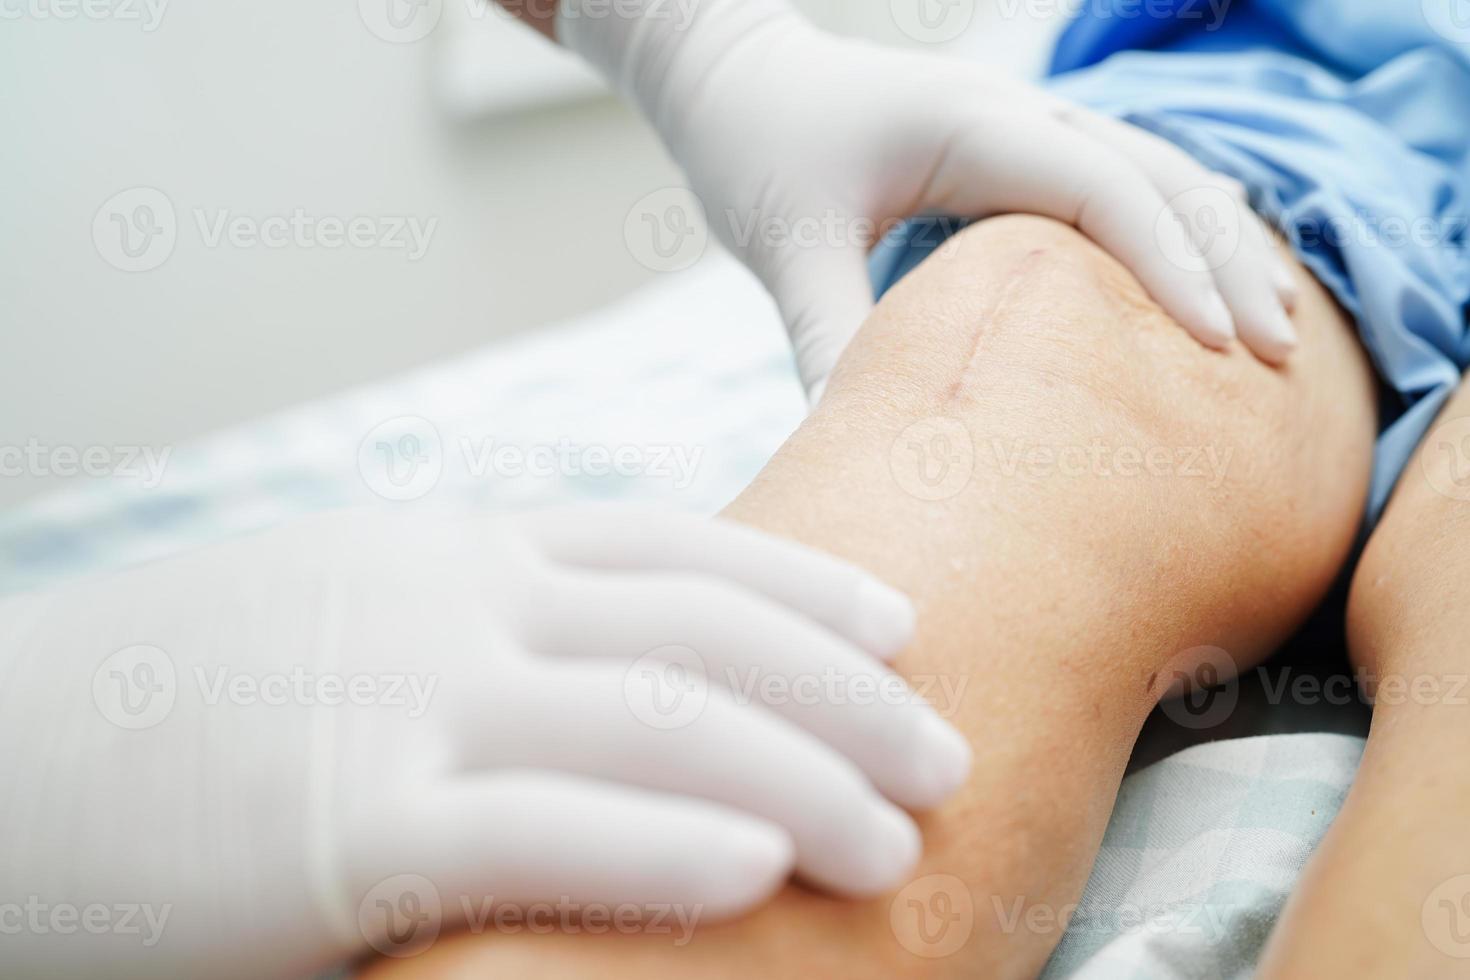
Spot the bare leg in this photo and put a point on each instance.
(1388, 892)
(1084, 540)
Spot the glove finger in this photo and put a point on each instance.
(766, 655)
(1174, 171)
(1045, 167)
(459, 851)
(663, 727)
(1223, 229)
(840, 596)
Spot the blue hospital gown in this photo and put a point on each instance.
(1349, 122)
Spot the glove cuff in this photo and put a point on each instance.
(658, 53)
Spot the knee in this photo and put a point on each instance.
(1024, 320)
(1408, 590)
(1019, 309)
(1086, 402)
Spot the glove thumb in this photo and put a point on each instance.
(824, 295)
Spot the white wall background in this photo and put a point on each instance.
(261, 108)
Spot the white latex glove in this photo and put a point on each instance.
(507, 742)
(786, 130)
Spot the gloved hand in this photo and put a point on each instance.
(800, 144)
(288, 748)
